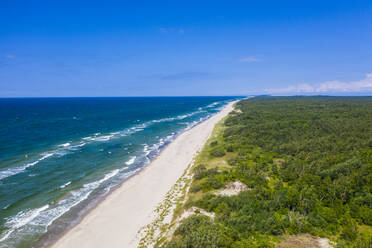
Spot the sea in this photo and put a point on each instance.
(60, 156)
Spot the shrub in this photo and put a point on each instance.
(207, 236)
(230, 148)
(350, 231)
(196, 188)
(213, 143)
(231, 131)
(199, 171)
(232, 161)
(218, 152)
(198, 231)
(192, 223)
(214, 183)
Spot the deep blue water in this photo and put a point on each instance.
(59, 156)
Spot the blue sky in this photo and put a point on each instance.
(163, 48)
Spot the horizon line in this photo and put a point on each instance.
(139, 96)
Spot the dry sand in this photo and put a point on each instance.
(117, 219)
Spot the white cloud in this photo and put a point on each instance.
(171, 30)
(10, 56)
(250, 59)
(163, 30)
(364, 85)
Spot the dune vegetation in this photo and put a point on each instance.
(306, 163)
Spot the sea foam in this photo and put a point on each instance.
(20, 220)
(131, 160)
(16, 170)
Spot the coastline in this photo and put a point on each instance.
(115, 221)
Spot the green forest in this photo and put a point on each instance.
(307, 165)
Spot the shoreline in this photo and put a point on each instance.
(117, 218)
(49, 241)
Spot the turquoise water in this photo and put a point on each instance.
(60, 156)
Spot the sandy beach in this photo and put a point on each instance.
(117, 219)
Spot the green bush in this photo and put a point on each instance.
(213, 143)
(230, 148)
(217, 152)
(196, 188)
(199, 231)
(199, 171)
(350, 231)
(214, 183)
